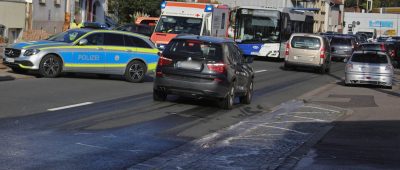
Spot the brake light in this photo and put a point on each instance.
(383, 47)
(287, 49)
(392, 53)
(162, 61)
(217, 67)
(322, 55)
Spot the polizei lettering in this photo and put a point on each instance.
(89, 58)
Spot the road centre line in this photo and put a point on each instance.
(260, 71)
(70, 106)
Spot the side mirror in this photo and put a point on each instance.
(159, 53)
(82, 42)
(345, 60)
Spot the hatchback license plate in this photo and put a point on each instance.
(10, 60)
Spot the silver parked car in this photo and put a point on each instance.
(369, 67)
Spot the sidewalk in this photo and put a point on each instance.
(6, 74)
(334, 127)
(367, 139)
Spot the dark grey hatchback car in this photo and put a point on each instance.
(201, 66)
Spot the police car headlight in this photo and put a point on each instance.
(30, 52)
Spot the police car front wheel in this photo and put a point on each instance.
(135, 71)
(50, 66)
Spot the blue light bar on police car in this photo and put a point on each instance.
(163, 4)
(209, 8)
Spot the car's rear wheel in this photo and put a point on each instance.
(246, 99)
(18, 70)
(322, 69)
(388, 87)
(286, 66)
(135, 71)
(227, 102)
(50, 66)
(159, 95)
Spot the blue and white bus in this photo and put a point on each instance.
(263, 31)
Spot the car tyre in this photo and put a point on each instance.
(388, 87)
(19, 70)
(286, 66)
(159, 96)
(135, 71)
(227, 102)
(322, 69)
(246, 99)
(50, 66)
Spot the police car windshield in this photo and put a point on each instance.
(67, 36)
(179, 25)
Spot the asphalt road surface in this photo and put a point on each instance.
(86, 122)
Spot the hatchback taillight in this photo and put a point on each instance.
(322, 55)
(383, 47)
(162, 61)
(287, 49)
(217, 67)
(392, 53)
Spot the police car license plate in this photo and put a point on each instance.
(10, 60)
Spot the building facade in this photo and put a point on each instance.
(88, 10)
(233, 3)
(48, 15)
(12, 19)
(382, 24)
(330, 14)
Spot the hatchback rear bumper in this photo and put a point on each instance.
(365, 78)
(203, 88)
(303, 64)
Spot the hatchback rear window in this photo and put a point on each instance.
(194, 49)
(369, 58)
(305, 42)
(341, 41)
(373, 47)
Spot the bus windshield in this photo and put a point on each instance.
(179, 25)
(258, 29)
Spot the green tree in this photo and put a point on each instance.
(124, 9)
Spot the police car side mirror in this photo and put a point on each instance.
(82, 42)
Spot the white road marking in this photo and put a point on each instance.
(70, 106)
(323, 109)
(260, 71)
(106, 148)
(309, 118)
(290, 130)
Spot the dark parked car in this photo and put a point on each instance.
(382, 39)
(201, 66)
(389, 47)
(137, 28)
(342, 47)
(95, 25)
